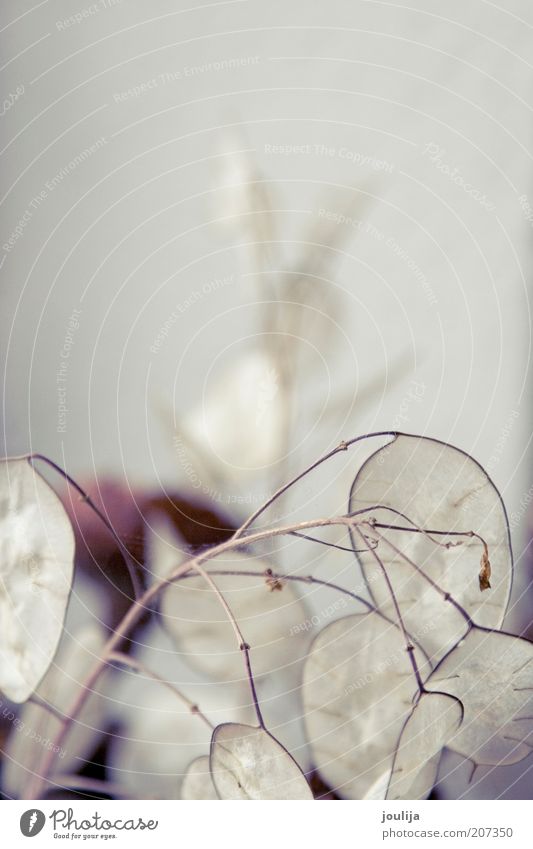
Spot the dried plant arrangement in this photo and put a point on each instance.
(417, 663)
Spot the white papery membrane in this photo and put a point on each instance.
(435, 718)
(358, 689)
(249, 763)
(197, 782)
(491, 672)
(36, 568)
(36, 728)
(439, 488)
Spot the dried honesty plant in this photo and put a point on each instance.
(363, 710)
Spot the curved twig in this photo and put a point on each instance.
(130, 561)
(137, 666)
(408, 643)
(342, 446)
(445, 595)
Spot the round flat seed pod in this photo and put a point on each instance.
(36, 567)
(358, 691)
(197, 782)
(439, 488)
(491, 672)
(435, 718)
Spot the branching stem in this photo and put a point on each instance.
(137, 610)
(241, 642)
(408, 643)
(343, 446)
(241, 539)
(445, 595)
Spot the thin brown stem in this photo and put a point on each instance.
(281, 576)
(233, 622)
(131, 562)
(413, 527)
(343, 446)
(445, 595)
(430, 533)
(245, 648)
(137, 666)
(36, 700)
(243, 645)
(408, 643)
(351, 550)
